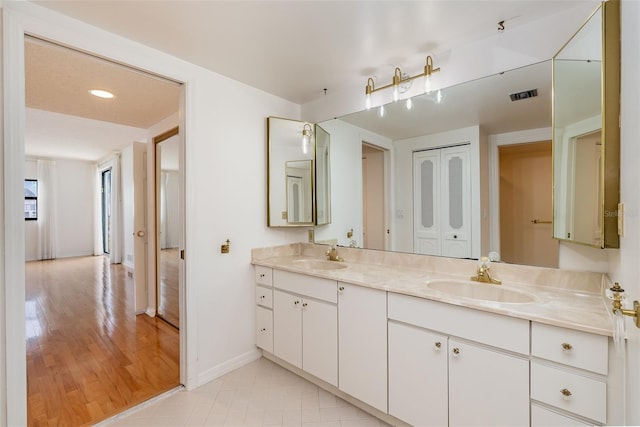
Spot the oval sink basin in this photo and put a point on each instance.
(318, 264)
(480, 291)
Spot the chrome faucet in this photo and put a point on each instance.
(483, 275)
(332, 254)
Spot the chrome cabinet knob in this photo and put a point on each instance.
(296, 302)
(263, 330)
(262, 275)
(304, 304)
(341, 288)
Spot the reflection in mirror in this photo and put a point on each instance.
(168, 225)
(287, 193)
(323, 181)
(585, 136)
(476, 117)
(299, 191)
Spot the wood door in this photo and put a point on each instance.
(140, 247)
(526, 211)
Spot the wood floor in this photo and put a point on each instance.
(88, 356)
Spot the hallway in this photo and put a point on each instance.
(88, 356)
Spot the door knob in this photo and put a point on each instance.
(140, 233)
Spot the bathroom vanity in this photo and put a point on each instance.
(411, 340)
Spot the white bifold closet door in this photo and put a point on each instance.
(442, 200)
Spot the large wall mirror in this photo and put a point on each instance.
(299, 181)
(489, 138)
(586, 133)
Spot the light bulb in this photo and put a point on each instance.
(367, 101)
(396, 93)
(439, 96)
(409, 104)
(381, 111)
(305, 144)
(427, 84)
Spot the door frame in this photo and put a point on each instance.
(27, 19)
(495, 141)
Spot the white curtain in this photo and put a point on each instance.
(46, 209)
(116, 212)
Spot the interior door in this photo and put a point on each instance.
(526, 211)
(140, 246)
(426, 195)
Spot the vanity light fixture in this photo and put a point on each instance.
(307, 132)
(101, 93)
(399, 79)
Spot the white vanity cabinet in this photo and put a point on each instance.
(438, 376)
(362, 335)
(264, 305)
(569, 374)
(305, 323)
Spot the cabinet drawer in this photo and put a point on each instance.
(264, 296)
(263, 275)
(264, 329)
(588, 396)
(543, 417)
(488, 328)
(575, 348)
(311, 286)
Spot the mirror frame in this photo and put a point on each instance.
(610, 109)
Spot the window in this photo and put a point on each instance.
(30, 199)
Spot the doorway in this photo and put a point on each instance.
(99, 292)
(526, 210)
(373, 197)
(105, 199)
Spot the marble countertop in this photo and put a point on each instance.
(585, 310)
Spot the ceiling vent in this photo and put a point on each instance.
(523, 95)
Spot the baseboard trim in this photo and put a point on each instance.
(228, 366)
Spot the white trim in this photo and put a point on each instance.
(228, 366)
(14, 259)
(510, 138)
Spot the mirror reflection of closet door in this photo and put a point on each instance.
(168, 226)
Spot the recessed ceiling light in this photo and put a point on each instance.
(101, 93)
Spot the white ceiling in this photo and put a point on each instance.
(293, 49)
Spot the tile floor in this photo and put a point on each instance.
(258, 394)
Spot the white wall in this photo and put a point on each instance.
(126, 177)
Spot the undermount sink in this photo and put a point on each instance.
(318, 264)
(480, 291)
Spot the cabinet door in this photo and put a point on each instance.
(362, 332)
(426, 202)
(487, 387)
(287, 327)
(417, 375)
(320, 340)
(264, 329)
(456, 202)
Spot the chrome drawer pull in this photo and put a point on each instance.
(566, 346)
